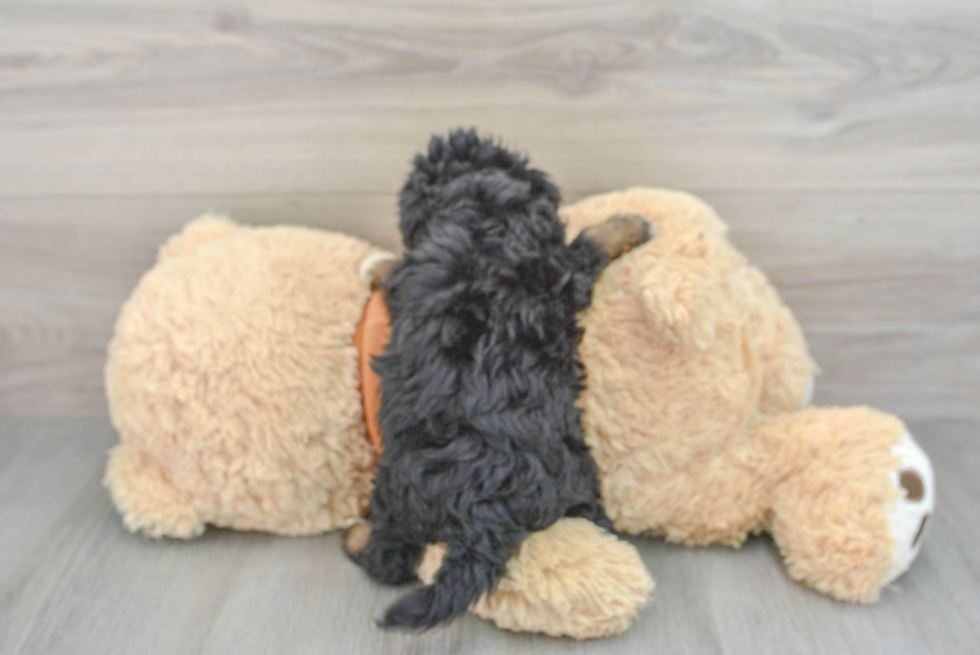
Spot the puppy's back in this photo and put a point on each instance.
(482, 437)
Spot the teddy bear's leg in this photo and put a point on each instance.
(853, 494)
(571, 580)
(147, 500)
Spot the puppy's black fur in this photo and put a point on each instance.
(482, 439)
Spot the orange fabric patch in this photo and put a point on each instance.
(370, 339)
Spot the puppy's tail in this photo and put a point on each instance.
(465, 575)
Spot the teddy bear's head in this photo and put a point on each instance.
(684, 337)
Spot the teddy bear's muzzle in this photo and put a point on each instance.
(909, 518)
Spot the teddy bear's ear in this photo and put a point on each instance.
(680, 299)
(207, 227)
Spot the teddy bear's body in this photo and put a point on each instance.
(232, 381)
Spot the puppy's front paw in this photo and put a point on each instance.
(619, 234)
(356, 538)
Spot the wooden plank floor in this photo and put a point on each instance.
(840, 140)
(74, 581)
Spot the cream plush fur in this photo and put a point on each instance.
(232, 381)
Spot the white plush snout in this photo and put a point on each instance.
(909, 518)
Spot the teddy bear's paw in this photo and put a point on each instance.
(909, 518)
(146, 498)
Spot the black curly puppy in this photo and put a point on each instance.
(482, 439)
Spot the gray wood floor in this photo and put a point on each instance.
(74, 581)
(840, 140)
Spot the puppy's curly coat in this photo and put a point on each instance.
(482, 438)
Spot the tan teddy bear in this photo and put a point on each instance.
(235, 384)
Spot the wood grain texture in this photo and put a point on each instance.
(72, 581)
(101, 97)
(887, 286)
(838, 140)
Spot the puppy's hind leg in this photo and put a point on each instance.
(384, 555)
